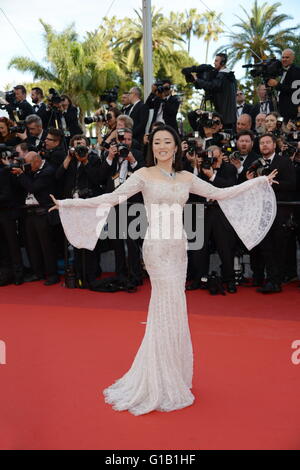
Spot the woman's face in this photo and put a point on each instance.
(271, 122)
(163, 146)
(3, 129)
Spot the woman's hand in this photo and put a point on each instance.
(271, 177)
(55, 202)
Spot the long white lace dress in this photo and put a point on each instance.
(160, 377)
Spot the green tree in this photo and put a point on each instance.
(259, 34)
(165, 36)
(212, 28)
(81, 69)
(189, 23)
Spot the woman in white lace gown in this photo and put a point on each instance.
(160, 377)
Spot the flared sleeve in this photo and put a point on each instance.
(250, 207)
(84, 219)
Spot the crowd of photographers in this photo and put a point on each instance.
(43, 151)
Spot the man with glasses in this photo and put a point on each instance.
(55, 152)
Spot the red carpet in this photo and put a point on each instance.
(64, 346)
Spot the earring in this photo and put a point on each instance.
(155, 160)
(174, 157)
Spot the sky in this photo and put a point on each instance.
(21, 32)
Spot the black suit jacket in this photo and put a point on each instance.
(31, 140)
(43, 114)
(41, 184)
(71, 117)
(107, 172)
(24, 110)
(247, 109)
(256, 110)
(139, 113)
(286, 107)
(170, 108)
(251, 157)
(87, 176)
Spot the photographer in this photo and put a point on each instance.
(109, 119)
(19, 103)
(80, 171)
(34, 135)
(121, 161)
(223, 88)
(274, 246)
(264, 105)
(69, 118)
(244, 156)
(39, 107)
(80, 175)
(241, 106)
(139, 112)
(7, 137)
(164, 104)
(285, 87)
(125, 102)
(54, 151)
(11, 259)
(221, 174)
(208, 125)
(37, 178)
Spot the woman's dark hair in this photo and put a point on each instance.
(177, 166)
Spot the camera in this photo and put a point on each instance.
(296, 121)
(291, 149)
(111, 95)
(207, 159)
(20, 127)
(81, 151)
(121, 134)
(228, 150)
(54, 97)
(236, 155)
(267, 69)
(203, 72)
(7, 152)
(123, 150)
(10, 97)
(161, 87)
(260, 167)
(104, 116)
(97, 118)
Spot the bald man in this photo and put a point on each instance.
(287, 86)
(38, 183)
(243, 123)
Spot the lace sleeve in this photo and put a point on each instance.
(84, 219)
(250, 207)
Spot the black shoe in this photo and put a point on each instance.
(269, 288)
(52, 280)
(256, 283)
(231, 287)
(32, 278)
(194, 285)
(290, 278)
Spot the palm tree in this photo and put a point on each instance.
(79, 69)
(165, 36)
(212, 28)
(259, 34)
(189, 23)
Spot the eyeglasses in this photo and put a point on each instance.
(51, 140)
